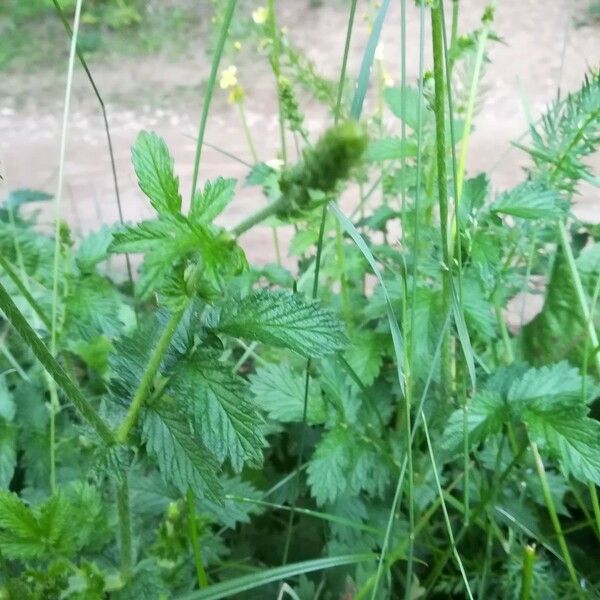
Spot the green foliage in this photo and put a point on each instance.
(393, 433)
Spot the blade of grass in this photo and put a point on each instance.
(227, 589)
(315, 287)
(210, 86)
(362, 83)
(111, 154)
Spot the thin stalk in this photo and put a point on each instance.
(508, 349)
(124, 514)
(315, 287)
(464, 146)
(341, 263)
(445, 510)
(595, 506)
(54, 408)
(259, 216)
(145, 386)
(247, 133)
(439, 107)
(454, 27)
(24, 291)
(527, 572)
(55, 370)
(195, 542)
(275, 66)
(111, 154)
(61, 173)
(580, 293)
(541, 471)
(210, 86)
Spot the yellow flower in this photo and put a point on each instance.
(237, 45)
(236, 95)
(379, 52)
(387, 79)
(259, 16)
(228, 77)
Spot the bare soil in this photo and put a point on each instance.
(542, 51)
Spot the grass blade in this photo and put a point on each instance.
(227, 589)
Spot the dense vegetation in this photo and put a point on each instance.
(363, 426)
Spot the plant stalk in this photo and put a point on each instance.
(527, 572)
(259, 216)
(145, 386)
(440, 142)
(124, 513)
(541, 471)
(193, 532)
(56, 371)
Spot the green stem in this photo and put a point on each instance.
(247, 133)
(259, 216)
(341, 264)
(124, 513)
(193, 532)
(442, 179)
(275, 66)
(595, 506)
(145, 386)
(541, 471)
(210, 86)
(508, 350)
(58, 374)
(54, 407)
(527, 572)
(580, 292)
(25, 292)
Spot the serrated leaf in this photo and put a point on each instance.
(486, 413)
(25, 196)
(28, 534)
(182, 459)
(279, 391)
(233, 511)
(154, 168)
(226, 419)
(549, 388)
(213, 199)
(570, 437)
(531, 200)
(365, 355)
(285, 320)
(93, 249)
(329, 465)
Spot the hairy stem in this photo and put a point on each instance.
(527, 572)
(145, 386)
(124, 514)
(259, 216)
(442, 180)
(56, 371)
(195, 542)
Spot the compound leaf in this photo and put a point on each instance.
(531, 200)
(213, 199)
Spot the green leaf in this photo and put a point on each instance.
(390, 148)
(285, 320)
(18, 197)
(40, 534)
(570, 437)
(215, 196)
(404, 103)
(329, 466)
(279, 390)
(486, 413)
(226, 419)
(182, 458)
(365, 355)
(531, 200)
(93, 249)
(549, 388)
(154, 168)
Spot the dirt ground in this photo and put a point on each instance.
(542, 50)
